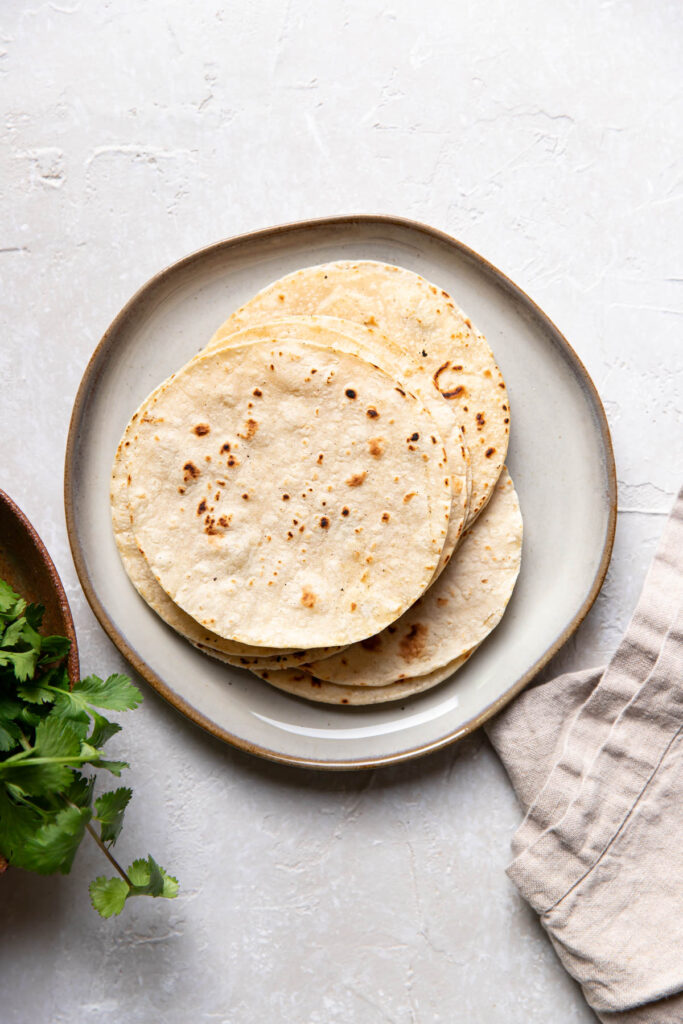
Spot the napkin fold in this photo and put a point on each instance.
(596, 759)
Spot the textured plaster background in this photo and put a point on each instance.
(546, 135)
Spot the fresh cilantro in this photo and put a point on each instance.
(108, 895)
(144, 878)
(150, 879)
(49, 732)
(52, 847)
(11, 605)
(102, 730)
(109, 808)
(23, 662)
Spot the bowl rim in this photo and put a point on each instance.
(80, 403)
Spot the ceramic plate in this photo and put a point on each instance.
(560, 459)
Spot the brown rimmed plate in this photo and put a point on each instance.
(560, 458)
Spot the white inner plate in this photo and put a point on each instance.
(560, 459)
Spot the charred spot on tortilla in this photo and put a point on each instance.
(250, 428)
(356, 479)
(413, 643)
(372, 643)
(201, 429)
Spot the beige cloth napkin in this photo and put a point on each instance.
(596, 759)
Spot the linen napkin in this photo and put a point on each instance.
(596, 759)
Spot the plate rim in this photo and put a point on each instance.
(90, 375)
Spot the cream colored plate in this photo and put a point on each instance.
(560, 458)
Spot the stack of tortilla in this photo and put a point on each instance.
(320, 495)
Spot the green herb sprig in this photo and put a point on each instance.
(49, 734)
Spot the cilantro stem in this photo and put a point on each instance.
(112, 860)
(108, 855)
(21, 756)
(22, 760)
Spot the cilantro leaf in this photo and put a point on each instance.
(9, 600)
(34, 614)
(9, 708)
(23, 662)
(115, 767)
(10, 733)
(80, 790)
(109, 811)
(64, 708)
(53, 846)
(103, 730)
(21, 631)
(116, 693)
(17, 823)
(28, 717)
(54, 648)
(35, 692)
(56, 738)
(108, 895)
(149, 879)
(36, 779)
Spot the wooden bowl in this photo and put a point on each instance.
(28, 568)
